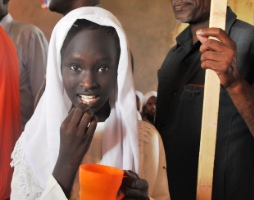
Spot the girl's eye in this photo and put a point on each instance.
(103, 69)
(75, 68)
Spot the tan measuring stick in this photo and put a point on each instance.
(210, 113)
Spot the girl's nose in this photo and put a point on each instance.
(88, 81)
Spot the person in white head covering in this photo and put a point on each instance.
(139, 96)
(148, 107)
(89, 79)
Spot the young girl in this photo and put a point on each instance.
(87, 114)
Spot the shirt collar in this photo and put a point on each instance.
(231, 17)
(184, 39)
(185, 36)
(6, 22)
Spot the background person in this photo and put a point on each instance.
(148, 107)
(32, 47)
(10, 126)
(139, 96)
(63, 7)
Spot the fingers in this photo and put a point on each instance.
(216, 55)
(213, 32)
(133, 180)
(85, 122)
(76, 114)
(219, 47)
(89, 131)
(216, 60)
(214, 45)
(80, 121)
(202, 38)
(81, 112)
(133, 187)
(69, 117)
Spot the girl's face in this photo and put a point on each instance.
(89, 68)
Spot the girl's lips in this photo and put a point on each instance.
(88, 99)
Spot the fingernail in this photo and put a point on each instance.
(199, 32)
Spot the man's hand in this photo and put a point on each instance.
(219, 56)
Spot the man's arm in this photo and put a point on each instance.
(220, 56)
(242, 94)
(36, 60)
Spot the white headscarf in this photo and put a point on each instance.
(42, 133)
(146, 97)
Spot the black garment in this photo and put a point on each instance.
(179, 114)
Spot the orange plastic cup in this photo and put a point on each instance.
(99, 182)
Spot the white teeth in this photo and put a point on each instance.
(87, 99)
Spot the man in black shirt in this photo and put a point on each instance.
(180, 100)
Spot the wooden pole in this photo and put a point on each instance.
(210, 113)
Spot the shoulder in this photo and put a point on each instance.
(238, 28)
(147, 132)
(235, 26)
(242, 25)
(147, 127)
(26, 29)
(150, 143)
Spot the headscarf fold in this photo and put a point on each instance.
(42, 133)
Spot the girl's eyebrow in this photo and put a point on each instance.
(78, 55)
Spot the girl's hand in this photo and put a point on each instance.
(76, 134)
(133, 187)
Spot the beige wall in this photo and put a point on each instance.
(150, 26)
